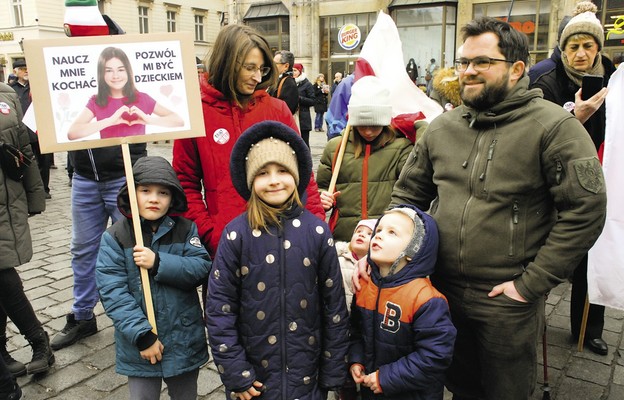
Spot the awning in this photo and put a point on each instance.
(266, 10)
(396, 3)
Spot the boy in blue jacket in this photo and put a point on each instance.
(177, 263)
(402, 335)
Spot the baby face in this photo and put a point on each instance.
(360, 240)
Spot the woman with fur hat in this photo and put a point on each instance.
(445, 89)
(177, 263)
(234, 97)
(277, 318)
(373, 159)
(581, 42)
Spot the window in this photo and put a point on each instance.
(199, 28)
(171, 21)
(528, 16)
(427, 32)
(17, 13)
(143, 20)
(275, 30)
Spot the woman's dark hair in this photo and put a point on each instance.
(129, 90)
(233, 44)
(514, 45)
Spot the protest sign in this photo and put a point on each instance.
(100, 91)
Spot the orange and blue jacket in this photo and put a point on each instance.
(401, 327)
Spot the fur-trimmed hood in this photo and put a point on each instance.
(446, 83)
(265, 130)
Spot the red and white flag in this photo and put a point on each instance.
(83, 18)
(382, 56)
(605, 269)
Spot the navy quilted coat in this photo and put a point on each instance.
(401, 326)
(276, 310)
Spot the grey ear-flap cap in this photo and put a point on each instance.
(418, 236)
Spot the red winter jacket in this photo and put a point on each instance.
(203, 163)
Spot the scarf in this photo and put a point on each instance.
(576, 76)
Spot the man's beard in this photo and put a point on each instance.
(492, 94)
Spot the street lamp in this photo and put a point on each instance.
(21, 44)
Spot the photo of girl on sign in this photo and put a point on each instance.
(118, 108)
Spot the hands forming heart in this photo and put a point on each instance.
(130, 116)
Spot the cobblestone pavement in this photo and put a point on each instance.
(86, 370)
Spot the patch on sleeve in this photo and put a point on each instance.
(194, 241)
(589, 174)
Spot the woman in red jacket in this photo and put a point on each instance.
(234, 97)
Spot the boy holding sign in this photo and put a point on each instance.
(177, 263)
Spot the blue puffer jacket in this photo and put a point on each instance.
(276, 311)
(401, 326)
(183, 265)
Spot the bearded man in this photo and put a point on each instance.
(517, 191)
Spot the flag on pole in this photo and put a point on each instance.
(605, 268)
(83, 18)
(382, 56)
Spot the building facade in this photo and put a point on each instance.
(310, 28)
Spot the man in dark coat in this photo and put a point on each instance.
(22, 88)
(286, 87)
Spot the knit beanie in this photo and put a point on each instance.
(298, 67)
(266, 142)
(369, 104)
(83, 18)
(267, 151)
(583, 21)
(369, 223)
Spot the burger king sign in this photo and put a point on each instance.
(349, 36)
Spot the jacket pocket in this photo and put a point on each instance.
(513, 228)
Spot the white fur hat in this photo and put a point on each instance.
(369, 104)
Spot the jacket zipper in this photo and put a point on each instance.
(375, 323)
(280, 238)
(559, 171)
(472, 183)
(8, 208)
(490, 155)
(513, 226)
(364, 194)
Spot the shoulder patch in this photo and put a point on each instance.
(589, 174)
(194, 241)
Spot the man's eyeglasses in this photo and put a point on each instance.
(252, 69)
(478, 63)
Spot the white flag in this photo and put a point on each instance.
(382, 56)
(605, 269)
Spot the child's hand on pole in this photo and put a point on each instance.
(370, 381)
(328, 199)
(254, 391)
(144, 257)
(153, 353)
(357, 372)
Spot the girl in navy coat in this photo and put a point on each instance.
(276, 315)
